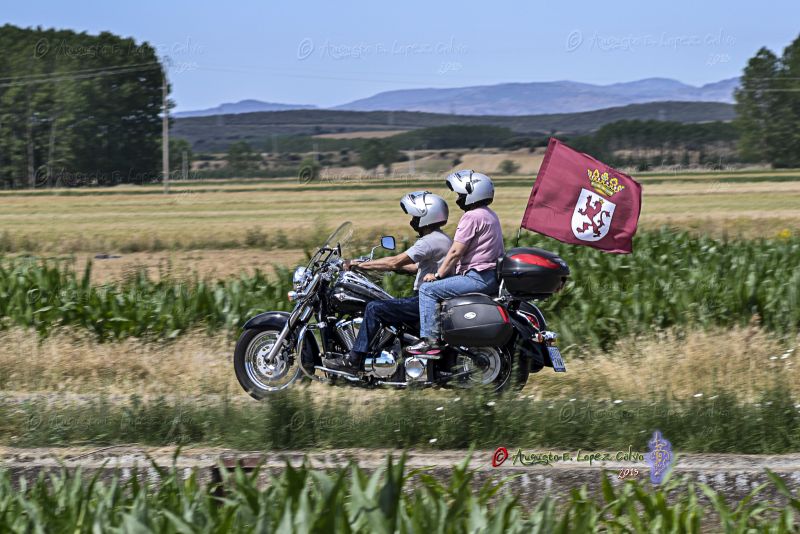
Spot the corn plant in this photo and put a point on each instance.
(672, 280)
(391, 499)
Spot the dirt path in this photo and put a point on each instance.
(733, 475)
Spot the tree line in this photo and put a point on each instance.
(77, 109)
(768, 107)
(647, 143)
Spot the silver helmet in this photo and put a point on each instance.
(472, 187)
(425, 208)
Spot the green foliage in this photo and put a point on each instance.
(44, 296)
(508, 166)
(672, 280)
(241, 157)
(376, 152)
(387, 500)
(455, 136)
(642, 137)
(67, 120)
(768, 107)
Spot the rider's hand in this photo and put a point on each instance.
(430, 277)
(349, 264)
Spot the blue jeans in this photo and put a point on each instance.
(381, 313)
(431, 293)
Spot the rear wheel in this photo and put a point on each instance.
(490, 367)
(520, 370)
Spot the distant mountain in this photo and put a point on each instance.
(543, 97)
(243, 106)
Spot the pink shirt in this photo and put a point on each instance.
(480, 230)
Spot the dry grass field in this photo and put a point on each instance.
(744, 362)
(366, 134)
(185, 264)
(283, 215)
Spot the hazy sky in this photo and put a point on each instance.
(331, 52)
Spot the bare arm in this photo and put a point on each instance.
(411, 268)
(390, 263)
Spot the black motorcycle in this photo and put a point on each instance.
(491, 341)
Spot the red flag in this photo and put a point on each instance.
(580, 200)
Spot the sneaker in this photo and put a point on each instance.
(426, 346)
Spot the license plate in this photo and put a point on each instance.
(558, 361)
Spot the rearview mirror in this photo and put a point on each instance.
(387, 242)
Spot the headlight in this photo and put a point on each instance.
(300, 277)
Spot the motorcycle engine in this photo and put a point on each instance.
(382, 366)
(348, 331)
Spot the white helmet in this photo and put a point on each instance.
(472, 187)
(425, 208)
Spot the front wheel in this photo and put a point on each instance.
(256, 372)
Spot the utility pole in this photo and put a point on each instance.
(165, 133)
(185, 165)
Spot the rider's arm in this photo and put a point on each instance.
(411, 268)
(390, 263)
(449, 262)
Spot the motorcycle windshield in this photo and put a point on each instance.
(340, 237)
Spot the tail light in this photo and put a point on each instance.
(503, 313)
(533, 259)
(531, 319)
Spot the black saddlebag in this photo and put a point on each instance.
(474, 320)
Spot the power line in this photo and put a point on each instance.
(87, 76)
(78, 72)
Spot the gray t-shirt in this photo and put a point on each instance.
(428, 252)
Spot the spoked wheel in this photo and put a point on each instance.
(258, 374)
(490, 367)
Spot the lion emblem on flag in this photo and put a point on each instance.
(591, 219)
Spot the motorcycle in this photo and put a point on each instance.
(489, 341)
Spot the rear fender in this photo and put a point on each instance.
(524, 343)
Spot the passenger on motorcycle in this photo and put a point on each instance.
(429, 213)
(469, 266)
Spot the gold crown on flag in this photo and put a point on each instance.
(604, 184)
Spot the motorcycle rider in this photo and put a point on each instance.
(470, 264)
(429, 213)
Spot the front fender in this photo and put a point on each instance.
(277, 319)
(270, 319)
